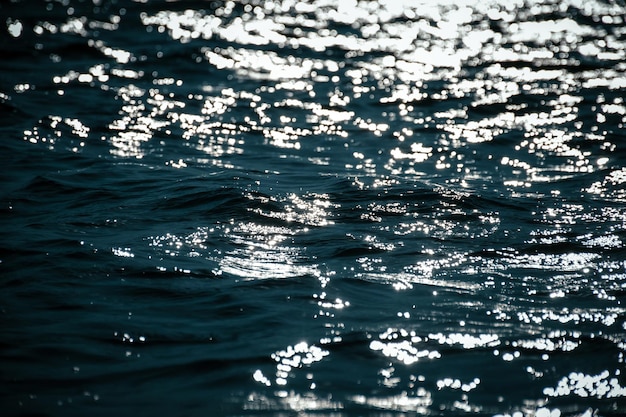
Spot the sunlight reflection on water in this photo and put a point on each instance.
(477, 142)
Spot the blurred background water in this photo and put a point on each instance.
(329, 208)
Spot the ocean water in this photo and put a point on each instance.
(313, 208)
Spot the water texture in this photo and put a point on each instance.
(322, 208)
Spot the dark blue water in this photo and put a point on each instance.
(325, 208)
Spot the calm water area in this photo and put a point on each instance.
(313, 208)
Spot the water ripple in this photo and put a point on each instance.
(327, 207)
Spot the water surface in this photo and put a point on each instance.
(329, 208)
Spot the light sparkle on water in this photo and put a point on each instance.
(474, 104)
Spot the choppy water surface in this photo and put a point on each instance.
(342, 208)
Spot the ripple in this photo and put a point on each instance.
(342, 207)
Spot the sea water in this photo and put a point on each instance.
(313, 208)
